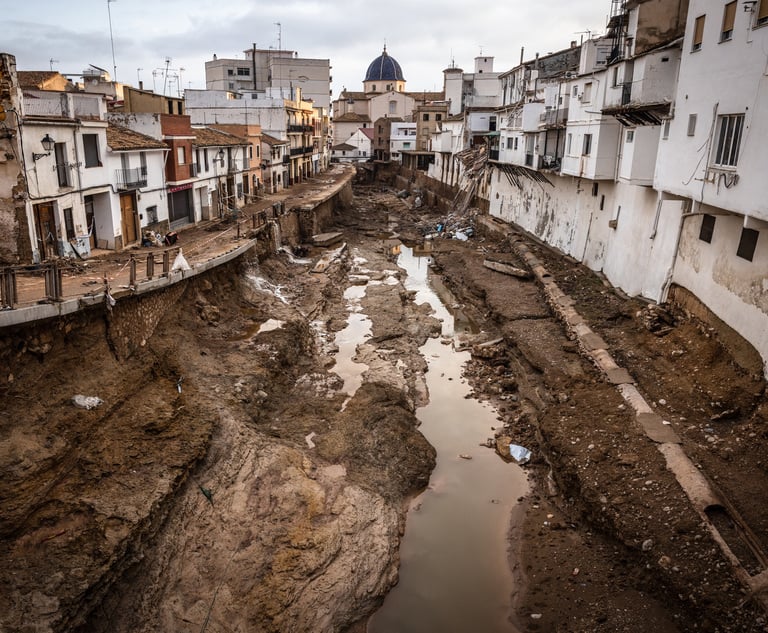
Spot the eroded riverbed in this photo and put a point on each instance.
(454, 573)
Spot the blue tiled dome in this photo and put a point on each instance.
(384, 68)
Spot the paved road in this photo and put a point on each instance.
(203, 245)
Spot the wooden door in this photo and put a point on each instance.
(45, 230)
(128, 214)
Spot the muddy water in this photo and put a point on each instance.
(358, 328)
(454, 574)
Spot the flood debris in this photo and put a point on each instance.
(506, 269)
(519, 453)
(86, 402)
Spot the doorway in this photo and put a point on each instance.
(128, 217)
(45, 230)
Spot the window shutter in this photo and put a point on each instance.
(729, 16)
(698, 32)
(762, 13)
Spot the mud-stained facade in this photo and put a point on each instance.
(15, 246)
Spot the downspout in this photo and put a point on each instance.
(668, 278)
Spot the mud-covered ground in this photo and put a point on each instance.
(225, 483)
(610, 542)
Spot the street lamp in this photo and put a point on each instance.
(221, 157)
(48, 144)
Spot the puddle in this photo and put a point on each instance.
(358, 329)
(454, 571)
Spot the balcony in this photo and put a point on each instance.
(549, 162)
(553, 118)
(131, 178)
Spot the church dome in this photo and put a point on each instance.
(384, 68)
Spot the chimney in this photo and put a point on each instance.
(573, 43)
(141, 85)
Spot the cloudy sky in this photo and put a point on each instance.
(422, 35)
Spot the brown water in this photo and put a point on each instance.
(454, 574)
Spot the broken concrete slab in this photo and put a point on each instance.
(619, 376)
(327, 239)
(506, 269)
(591, 341)
(655, 428)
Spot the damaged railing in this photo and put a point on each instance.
(20, 285)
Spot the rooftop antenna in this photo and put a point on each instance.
(279, 36)
(582, 33)
(165, 77)
(112, 41)
(53, 61)
(180, 84)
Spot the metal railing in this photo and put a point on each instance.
(141, 267)
(131, 178)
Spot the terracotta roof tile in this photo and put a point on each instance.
(271, 140)
(122, 138)
(209, 137)
(352, 117)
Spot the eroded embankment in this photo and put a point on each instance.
(190, 496)
(619, 547)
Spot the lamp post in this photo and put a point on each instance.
(47, 143)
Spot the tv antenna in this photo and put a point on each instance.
(112, 41)
(53, 61)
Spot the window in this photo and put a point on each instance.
(570, 138)
(406, 145)
(729, 16)
(205, 158)
(691, 124)
(595, 189)
(69, 223)
(762, 13)
(747, 244)
(60, 153)
(665, 129)
(143, 163)
(516, 142)
(152, 214)
(510, 143)
(392, 107)
(587, 96)
(230, 72)
(425, 116)
(587, 148)
(698, 33)
(707, 228)
(181, 155)
(244, 72)
(630, 136)
(91, 147)
(438, 117)
(615, 77)
(575, 90)
(728, 136)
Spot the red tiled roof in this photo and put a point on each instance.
(122, 138)
(209, 137)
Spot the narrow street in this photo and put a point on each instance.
(250, 468)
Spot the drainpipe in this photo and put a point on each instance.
(668, 278)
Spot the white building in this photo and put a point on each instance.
(402, 137)
(358, 148)
(264, 69)
(711, 165)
